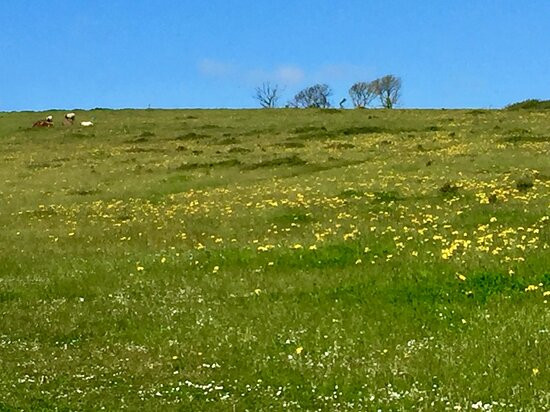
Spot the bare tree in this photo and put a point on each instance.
(363, 93)
(313, 96)
(268, 95)
(388, 89)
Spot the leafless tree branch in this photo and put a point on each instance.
(362, 93)
(267, 95)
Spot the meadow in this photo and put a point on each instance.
(233, 260)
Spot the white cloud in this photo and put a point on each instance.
(289, 74)
(344, 71)
(284, 74)
(255, 76)
(215, 68)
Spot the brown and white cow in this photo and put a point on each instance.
(48, 122)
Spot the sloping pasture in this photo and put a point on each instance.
(275, 259)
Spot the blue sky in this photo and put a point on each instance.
(197, 53)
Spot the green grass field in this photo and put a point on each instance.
(233, 260)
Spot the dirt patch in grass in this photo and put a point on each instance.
(321, 132)
(281, 161)
(292, 145)
(147, 134)
(191, 136)
(349, 131)
(137, 149)
(83, 192)
(227, 141)
(525, 137)
(340, 145)
(208, 165)
(238, 149)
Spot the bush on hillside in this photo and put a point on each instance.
(314, 96)
(530, 104)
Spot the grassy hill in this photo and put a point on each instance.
(275, 259)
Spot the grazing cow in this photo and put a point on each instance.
(44, 123)
(69, 119)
